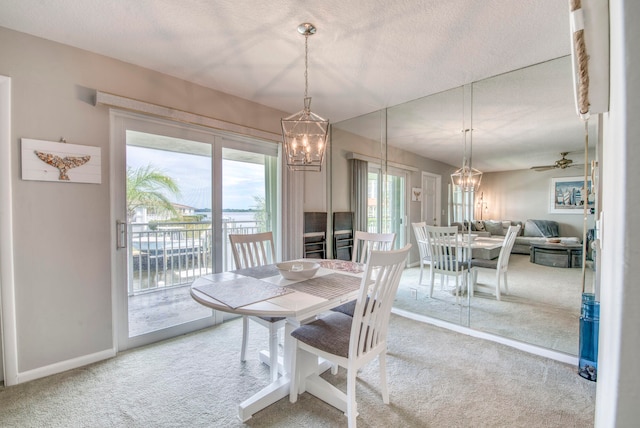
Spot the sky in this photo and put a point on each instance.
(192, 173)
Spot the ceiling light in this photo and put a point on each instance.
(305, 133)
(466, 178)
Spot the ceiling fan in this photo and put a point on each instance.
(560, 163)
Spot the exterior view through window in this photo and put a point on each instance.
(386, 207)
(171, 221)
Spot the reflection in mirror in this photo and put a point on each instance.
(437, 120)
(521, 119)
(529, 115)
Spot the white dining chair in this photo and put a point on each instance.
(447, 257)
(500, 265)
(420, 232)
(365, 242)
(352, 342)
(253, 250)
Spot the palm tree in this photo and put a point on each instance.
(147, 187)
(260, 214)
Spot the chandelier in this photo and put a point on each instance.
(466, 178)
(305, 133)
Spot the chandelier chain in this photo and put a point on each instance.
(306, 66)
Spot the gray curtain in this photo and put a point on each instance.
(359, 195)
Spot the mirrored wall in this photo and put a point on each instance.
(517, 120)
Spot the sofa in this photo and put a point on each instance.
(532, 231)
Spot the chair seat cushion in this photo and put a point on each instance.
(346, 308)
(462, 265)
(330, 333)
(272, 319)
(349, 308)
(489, 264)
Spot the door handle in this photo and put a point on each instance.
(121, 238)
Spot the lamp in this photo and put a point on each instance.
(466, 178)
(482, 205)
(305, 133)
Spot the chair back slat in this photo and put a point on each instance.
(507, 246)
(252, 250)
(444, 247)
(420, 232)
(373, 306)
(365, 242)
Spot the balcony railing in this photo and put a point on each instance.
(173, 254)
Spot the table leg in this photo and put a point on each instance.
(279, 389)
(267, 396)
(276, 390)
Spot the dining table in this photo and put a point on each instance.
(486, 248)
(262, 291)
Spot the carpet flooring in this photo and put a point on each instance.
(437, 378)
(542, 307)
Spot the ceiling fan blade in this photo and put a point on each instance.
(543, 167)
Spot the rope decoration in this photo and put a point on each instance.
(583, 68)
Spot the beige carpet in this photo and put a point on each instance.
(437, 378)
(542, 307)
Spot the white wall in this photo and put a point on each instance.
(62, 230)
(618, 391)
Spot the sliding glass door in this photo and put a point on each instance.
(179, 191)
(387, 203)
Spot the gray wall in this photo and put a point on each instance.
(62, 230)
(525, 194)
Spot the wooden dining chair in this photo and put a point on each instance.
(420, 232)
(365, 242)
(447, 257)
(500, 265)
(253, 250)
(351, 342)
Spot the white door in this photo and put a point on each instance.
(431, 202)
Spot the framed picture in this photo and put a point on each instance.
(568, 195)
(416, 194)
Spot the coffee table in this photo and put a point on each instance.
(556, 255)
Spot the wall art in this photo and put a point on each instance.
(62, 162)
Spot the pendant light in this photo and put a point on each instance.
(305, 133)
(466, 178)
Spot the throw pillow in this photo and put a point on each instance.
(493, 227)
(479, 225)
(460, 226)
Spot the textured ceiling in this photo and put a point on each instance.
(366, 55)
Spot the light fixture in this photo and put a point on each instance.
(482, 205)
(466, 178)
(305, 133)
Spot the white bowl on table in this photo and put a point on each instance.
(297, 270)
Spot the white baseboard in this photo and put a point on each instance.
(526, 347)
(63, 366)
